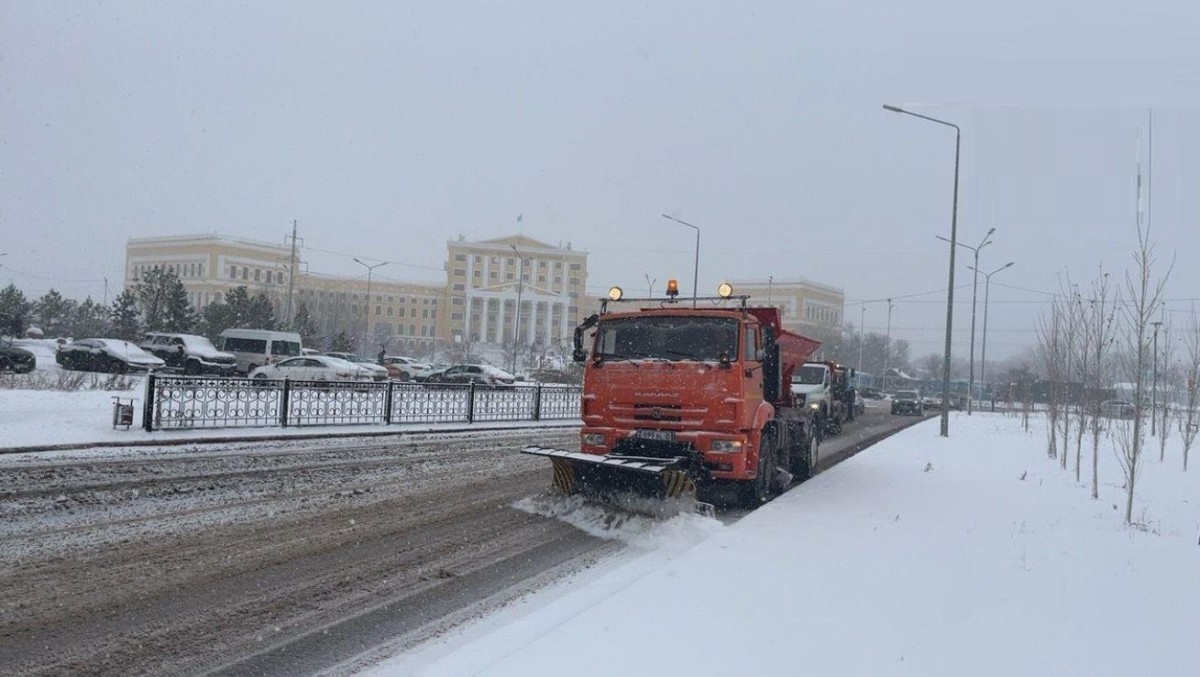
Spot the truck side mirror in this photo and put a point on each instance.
(579, 355)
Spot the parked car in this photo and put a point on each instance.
(256, 347)
(189, 353)
(16, 359)
(871, 393)
(407, 369)
(113, 355)
(311, 368)
(480, 374)
(932, 402)
(375, 372)
(907, 402)
(1117, 409)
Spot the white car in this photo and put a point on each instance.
(312, 368)
(407, 369)
(374, 371)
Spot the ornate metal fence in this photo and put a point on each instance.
(182, 403)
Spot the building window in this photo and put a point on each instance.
(199, 270)
(279, 277)
(558, 265)
(425, 313)
(389, 311)
(245, 273)
(511, 261)
(233, 272)
(461, 257)
(508, 276)
(576, 266)
(459, 272)
(456, 316)
(457, 300)
(379, 310)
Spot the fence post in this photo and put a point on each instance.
(471, 403)
(387, 404)
(283, 407)
(148, 406)
(537, 403)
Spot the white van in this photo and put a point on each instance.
(254, 348)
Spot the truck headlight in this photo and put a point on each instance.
(727, 446)
(814, 406)
(593, 439)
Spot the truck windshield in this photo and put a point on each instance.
(809, 375)
(667, 338)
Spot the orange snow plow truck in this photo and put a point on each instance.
(680, 399)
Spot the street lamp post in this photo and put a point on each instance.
(512, 364)
(987, 292)
(696, 269)
(974, 295)
(362, 344)
(945, 432)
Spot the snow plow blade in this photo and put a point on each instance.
(610, 477)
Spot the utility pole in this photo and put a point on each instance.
(770, 281)
(106, 290)
(512, 365)
(861, 322)
(650, 286)
(887, 343)
(287, 312)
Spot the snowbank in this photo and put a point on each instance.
(973, 555)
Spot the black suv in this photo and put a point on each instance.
(15, 359)
(190, 354)
(907, 402)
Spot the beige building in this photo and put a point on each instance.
(807, 307)
(478, 300)
(210, 265)
(486, 280)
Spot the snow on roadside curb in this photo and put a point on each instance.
(922, 555)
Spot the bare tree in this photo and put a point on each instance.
(1142, 297)
(1189, 421)
(1101, 317)
(1051, 351)
(1082, 356)
(1164, 376)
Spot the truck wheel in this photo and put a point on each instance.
(758, 490)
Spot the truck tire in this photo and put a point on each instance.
(758, 490)
(804, 462)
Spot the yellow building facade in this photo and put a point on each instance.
(477, 302)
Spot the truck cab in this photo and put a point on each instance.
(821, 386)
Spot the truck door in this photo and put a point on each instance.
(752, 368)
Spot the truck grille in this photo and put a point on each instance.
(657, 412)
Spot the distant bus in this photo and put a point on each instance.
(255, 347)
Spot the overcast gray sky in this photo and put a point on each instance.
(388, 128)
